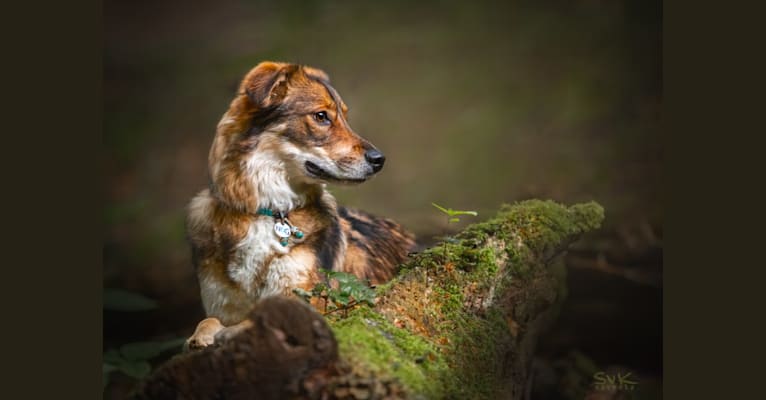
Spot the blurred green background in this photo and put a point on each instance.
(474, 104)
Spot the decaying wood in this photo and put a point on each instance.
(460, 320)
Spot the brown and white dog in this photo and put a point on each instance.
(283, 138)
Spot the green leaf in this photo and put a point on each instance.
(107, 371)
(363, 294)
(368, 300)
(123, 300)
(349, 286)
(302, 294)
(147, 350)
(450, 212)
(345, 278)
(333, 294)
(135, 369)
(343, 298)
(328, 273)
(454, 220)
(442, 209)
(458, 212)
(318, 289)
(113, 356)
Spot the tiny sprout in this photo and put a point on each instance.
(452, 216)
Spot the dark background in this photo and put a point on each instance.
(473, 105)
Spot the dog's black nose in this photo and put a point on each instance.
(375, 158)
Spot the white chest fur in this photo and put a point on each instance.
(260, 266)
(259, 247)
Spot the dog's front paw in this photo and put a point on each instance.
(229, 332)
(204, 335)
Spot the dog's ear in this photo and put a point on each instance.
(316, 73)
(266, 84)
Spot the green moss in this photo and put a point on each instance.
(366, 338)
(383, 288)
(451, 298)
(457, 335)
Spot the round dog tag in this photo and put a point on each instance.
(282, 229)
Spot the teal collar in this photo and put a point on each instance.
(266, 211)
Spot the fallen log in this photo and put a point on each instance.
(460, 320)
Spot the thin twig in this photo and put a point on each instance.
(346, 307)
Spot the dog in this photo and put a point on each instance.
(267, 224)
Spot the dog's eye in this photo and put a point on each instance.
(322, 118)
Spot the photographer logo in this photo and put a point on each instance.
(614, 382)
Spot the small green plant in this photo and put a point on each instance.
(349, 293)
(452, 216)
(123, 300)
(132, 359)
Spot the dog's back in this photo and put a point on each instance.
(376, 246)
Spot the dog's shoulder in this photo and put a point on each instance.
(212, 228)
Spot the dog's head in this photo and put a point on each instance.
(287, 117)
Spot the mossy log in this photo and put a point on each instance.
(462, 318)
